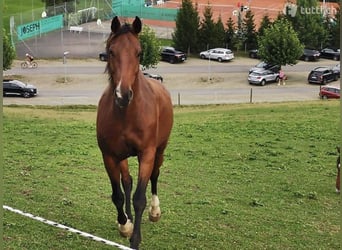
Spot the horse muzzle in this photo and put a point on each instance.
(122, 99)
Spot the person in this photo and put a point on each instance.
(29, 59)
(281, 77)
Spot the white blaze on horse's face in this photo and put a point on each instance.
(118, 90)
(122, 100)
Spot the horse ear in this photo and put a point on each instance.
(115, 24)
(137, 25)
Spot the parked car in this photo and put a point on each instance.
(18, 88)
(154, 76)
(172, 55)
(322, 75)
(218, 54)
(262, 76)
(337, 70)
(329, 91)
(264, 65)
(103, 56)
(330, 53)
(310, 55)
(253, 53)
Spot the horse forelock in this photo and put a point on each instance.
(126, 28)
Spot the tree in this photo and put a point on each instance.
(230, 33)
(280, 44)
(150, 47)
(220, 33)
(332, 25)
(207, 29)
(307, 21)
(248, 27)
(185, 36)
(264, 24)
(8, 51)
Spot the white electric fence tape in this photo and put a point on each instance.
(55, 224)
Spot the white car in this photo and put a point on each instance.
(261, 77)
(218, 54)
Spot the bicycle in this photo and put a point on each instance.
(25, 65)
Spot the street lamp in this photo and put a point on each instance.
(65, 62)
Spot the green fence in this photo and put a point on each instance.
(134, 8)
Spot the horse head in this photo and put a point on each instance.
(123, 50)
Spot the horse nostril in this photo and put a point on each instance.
(130, 94)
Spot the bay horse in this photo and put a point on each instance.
(134, 118)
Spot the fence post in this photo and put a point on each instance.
(178, 99)
(251, 96)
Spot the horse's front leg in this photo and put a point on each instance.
(146, 162)
(154, 209)
(113, 171)
(127, 182)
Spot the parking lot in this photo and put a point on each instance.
(194, 82)
(81, 79)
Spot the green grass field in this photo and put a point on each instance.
(251, 176)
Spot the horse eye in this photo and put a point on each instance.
(111, 53)
(139, 54)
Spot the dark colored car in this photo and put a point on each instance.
(327, 91)
(103, 56)
(171, 55)
(322, 75)
(18, 88)
(266, 66)
(310, 55)
(154, 76)
(253, 53)
(329, 53)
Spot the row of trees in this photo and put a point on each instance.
(194, 35)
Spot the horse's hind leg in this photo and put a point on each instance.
(154, 209)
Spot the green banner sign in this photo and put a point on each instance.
(39, 27)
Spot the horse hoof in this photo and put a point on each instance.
(127, 229)
(154, 219)
(154, 214)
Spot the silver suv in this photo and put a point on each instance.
(218, 54)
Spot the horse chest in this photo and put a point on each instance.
(121, 140)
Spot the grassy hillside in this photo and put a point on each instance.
(251, 176)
